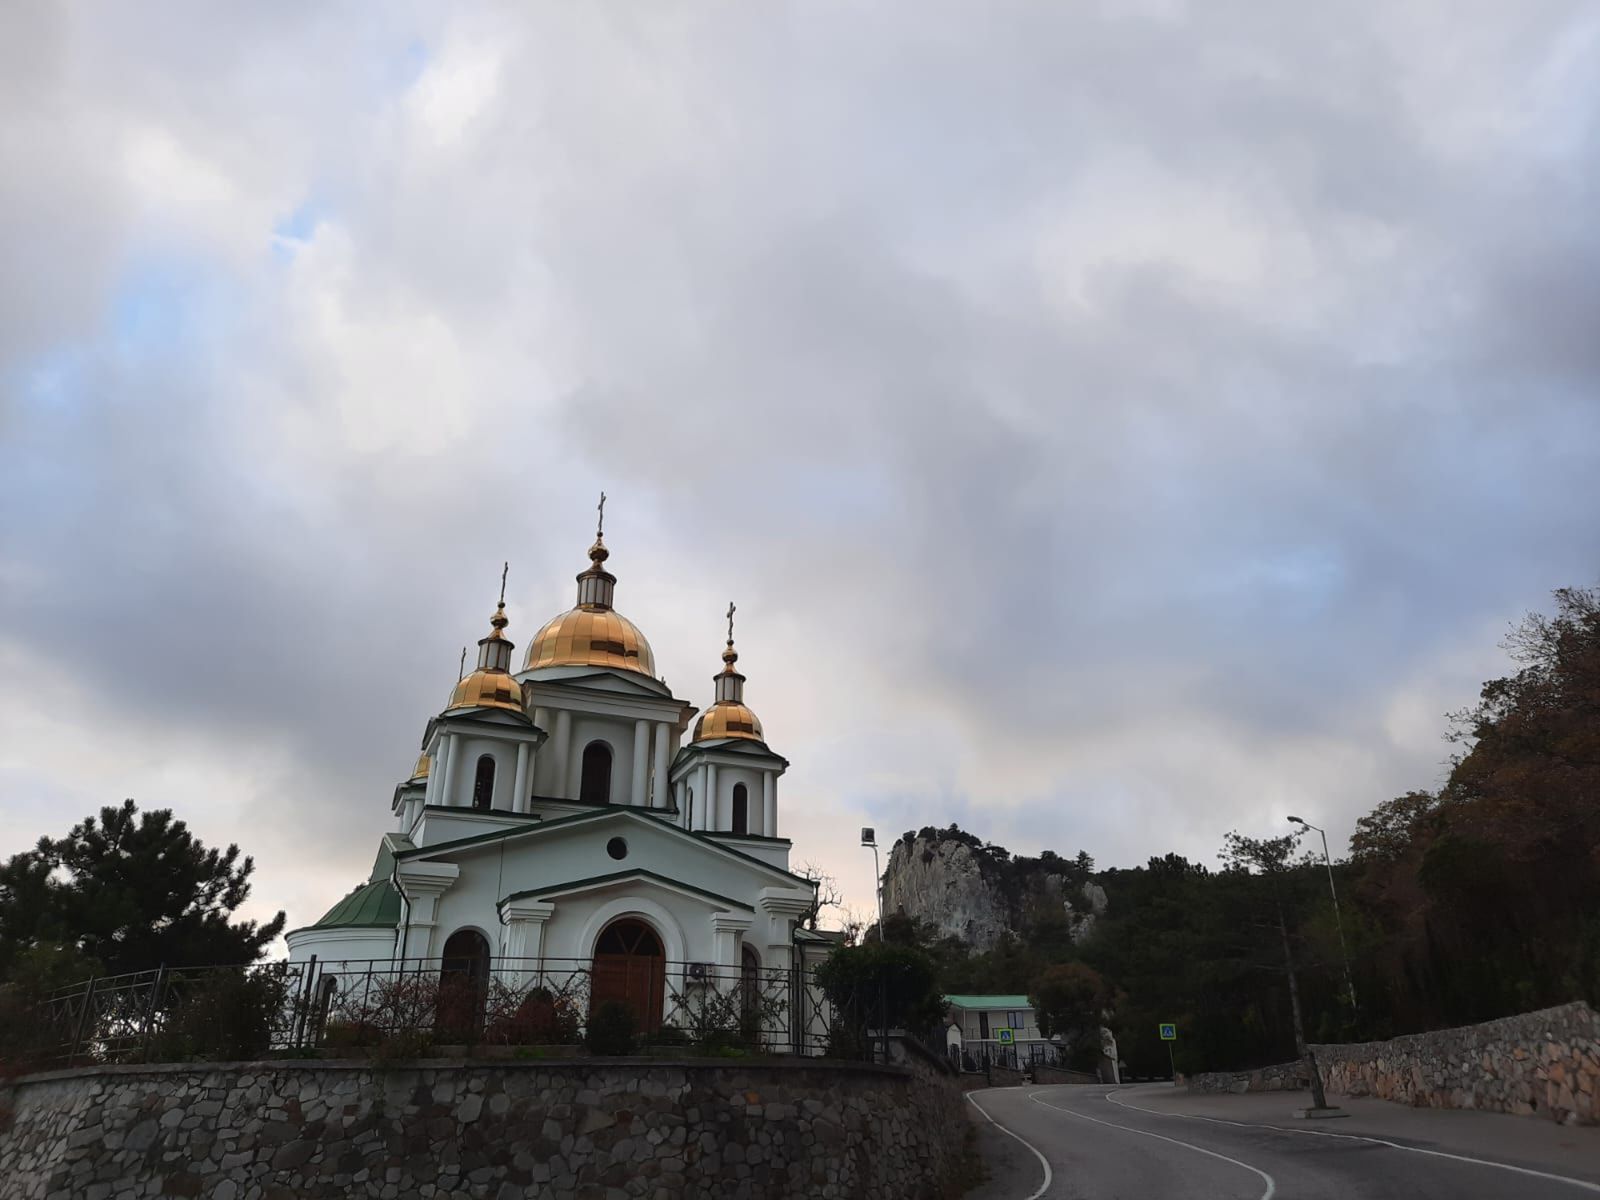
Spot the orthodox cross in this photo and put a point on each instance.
(462, 669)
(731, 611)
(503, 571)
(601, 527)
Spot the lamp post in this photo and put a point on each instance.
(869, 837)
(1338, 919)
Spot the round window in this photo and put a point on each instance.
(617, 848)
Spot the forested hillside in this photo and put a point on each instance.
(1477, 901)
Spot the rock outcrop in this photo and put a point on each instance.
(941, 883)
(959, 887)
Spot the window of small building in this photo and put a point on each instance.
(741, 808)
(1018, 1020)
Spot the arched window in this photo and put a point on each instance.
(463, 985)
(594, 786)
(483, 783)
(741, 808)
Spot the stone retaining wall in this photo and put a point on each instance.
(1545, 1063)
(1283, 1077)
(485, 1131)
(1062, 1075)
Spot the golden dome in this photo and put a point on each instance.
(424, 765)
(727, 719)
(591, 636)
(487, 689)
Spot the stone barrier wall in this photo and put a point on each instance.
(1545, 1063)
(1062, 1075)
(1283, 1077)
(496, 1130)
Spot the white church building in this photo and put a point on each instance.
(570, 809)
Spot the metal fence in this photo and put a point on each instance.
(406, 1006)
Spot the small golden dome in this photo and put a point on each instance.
(424, 765)
(727, 719)
(487, 689)
(591, 637)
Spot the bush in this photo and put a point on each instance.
(222, 1015)
(613, 1029)
(540, 1018)
(882, 984)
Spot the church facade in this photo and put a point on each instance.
(570, 810)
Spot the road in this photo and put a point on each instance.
(1146, 1143)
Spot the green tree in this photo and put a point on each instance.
(128, 891)
(1269, 860)
(1072, 1000)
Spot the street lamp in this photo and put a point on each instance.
(1344, 950)
(869, 837)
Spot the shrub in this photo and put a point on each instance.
(540, 1018)
(222, 1015)
(613, 1029)
(881, 984)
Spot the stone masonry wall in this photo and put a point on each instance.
(1285, 1077)
(1545, 1063)
(566, 1129)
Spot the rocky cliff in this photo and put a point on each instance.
(960, 887)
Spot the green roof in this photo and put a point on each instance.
(374, 903)
(989, 1001)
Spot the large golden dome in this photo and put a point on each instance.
(593, 634)
(727, 719)
(590, 636)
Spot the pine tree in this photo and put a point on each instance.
(129, 891)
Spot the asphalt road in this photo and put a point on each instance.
(1096, 1143)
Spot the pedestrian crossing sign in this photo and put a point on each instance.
(1169, 1031)
(1006, 1037)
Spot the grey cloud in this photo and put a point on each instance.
(1193, 382)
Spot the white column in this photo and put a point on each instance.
(452, 791)
(658, 794)
(538, 778)
(525, 920)
(563, 737)
(436, 770)
(713, 804)
(726, 928)
(641, 762)
(519, 783)
(422, 884)
(769, 804)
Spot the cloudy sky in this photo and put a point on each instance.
(1117, 423)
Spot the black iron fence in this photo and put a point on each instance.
(407, 1007)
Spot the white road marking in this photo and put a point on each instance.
(1043, 1162)
(1272, 1186)
(1357, 1137)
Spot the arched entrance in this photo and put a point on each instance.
(630, 967)
(463, 986)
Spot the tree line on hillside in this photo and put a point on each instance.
(1479, 900)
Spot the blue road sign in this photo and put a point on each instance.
(1169, 1031)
